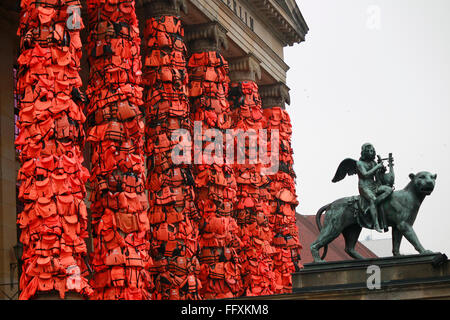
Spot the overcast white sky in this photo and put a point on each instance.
(373, 71)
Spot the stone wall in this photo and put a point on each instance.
(8, 163)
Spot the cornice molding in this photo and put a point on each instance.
(291, 30)
(156, 8)
(246, 68)
(211, 36)
(274, 95)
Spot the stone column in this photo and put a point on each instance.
(251, 206)
(172, 214)
(120, 224)
(283, 199)
(214, 178)
(53, 222)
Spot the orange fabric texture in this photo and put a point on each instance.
(203, 231)
(173, 215)
(251, 208)
(215, 183)
(283, 201)
(53, 224)
(120, 224)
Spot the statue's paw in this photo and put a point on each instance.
(397, 254)
(427, 252)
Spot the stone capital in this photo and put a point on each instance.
(156, 8)
(246, 68)
(274, 95)
(210, 36)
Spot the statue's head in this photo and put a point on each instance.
(367, 152)
(423, 182)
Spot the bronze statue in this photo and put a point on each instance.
(397, 209)
(374, 185)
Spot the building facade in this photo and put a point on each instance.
(250, 35)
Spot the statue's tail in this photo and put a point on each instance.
(319, 225)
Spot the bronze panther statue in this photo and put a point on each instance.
(401, 208)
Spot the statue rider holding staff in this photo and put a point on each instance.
(370, 187)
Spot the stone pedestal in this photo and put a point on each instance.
(405, 277)
(402, 278)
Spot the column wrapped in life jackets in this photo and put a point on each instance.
(283, 201)
(119, 205)
(251, 209)
(214, 178)
(173, 214)
(52, 178)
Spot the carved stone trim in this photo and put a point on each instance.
(292, 30)
(274, 95)
(210, 36)
(246, 68)
(156, 8)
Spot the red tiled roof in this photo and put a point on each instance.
(308, 233)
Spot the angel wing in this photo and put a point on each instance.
(346, 167)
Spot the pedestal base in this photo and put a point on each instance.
(405, 277)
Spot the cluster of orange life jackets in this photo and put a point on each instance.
(251, 207)
(283, 201)
(172, 214)
(206, 231)
(215, 183)
(119, 205)
(52, 178)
